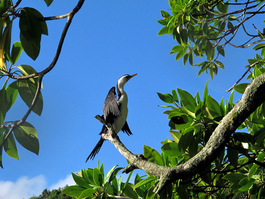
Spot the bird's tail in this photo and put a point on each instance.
(96, 149)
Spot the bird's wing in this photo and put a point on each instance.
(126, 129)
(110, 106)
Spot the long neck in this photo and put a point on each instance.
(120, 90)
(123, 98)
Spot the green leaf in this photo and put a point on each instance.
(73, 191)
(80, 181)
(246, 184)
(127, 182)
(177, 48)
(205, 93)
(1, 149)
(175, 135)
(3, 105)
(48, 2)
(27, 136)
(210, 51)
(97, 176)
(4, 5)
(16, 52)
(163, 31)
(191, 58)
(107, 177)
(187, 100)
(145, 181)
(27, 92)
(222, 7)
(185, 59)
(220, 64)
(180, 54)
(31, 49)
(221, 50)
(234, 177)
(152, 155)
(27, 70)
(168, 98)
(30, 23)
(11, 94)
(164, 14)
(255, 167)
(10, 146)
(230, 102)
(175, 96)
(172, 149)
(240, 88)
(213, 106)
(114, 171)
(232, 156)
(129, 191)
(259, 46)
(243, 137)
(87, 193)
(31, 28)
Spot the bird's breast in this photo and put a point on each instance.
(120, 121)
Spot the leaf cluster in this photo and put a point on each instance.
(238, 169)
(204, 28)
(92, 183)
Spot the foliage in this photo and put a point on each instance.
(54, 194)
(92, 183)
(205, 28)
(23, 80)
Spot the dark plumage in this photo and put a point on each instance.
(115, 112)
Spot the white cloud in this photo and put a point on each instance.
(24, 187)
(62, 183)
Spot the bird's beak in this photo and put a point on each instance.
(133, 75)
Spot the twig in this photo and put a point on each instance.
(16, 4)
(249, 67)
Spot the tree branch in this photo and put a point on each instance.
(252, 98)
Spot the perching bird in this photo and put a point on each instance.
(115, 112)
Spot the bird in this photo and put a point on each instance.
(115, 112)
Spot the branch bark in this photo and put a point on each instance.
(252, 98)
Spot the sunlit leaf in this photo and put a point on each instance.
(10, 146)
(163, 31)
(168, 98)
(80, 181)
(97, 176)
(27, 136)
(255, 167)
(16, 52)
(240, 88)
(73, 191)
(187, 100)
(145, 181)
(27, 91)
(246, 183)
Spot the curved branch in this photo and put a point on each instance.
(253, 97)
(70, 16)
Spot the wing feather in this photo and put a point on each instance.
(110, 107)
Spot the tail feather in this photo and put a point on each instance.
(95, 150)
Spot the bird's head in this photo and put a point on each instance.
(125, 78)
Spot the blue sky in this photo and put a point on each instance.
(106, 40)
